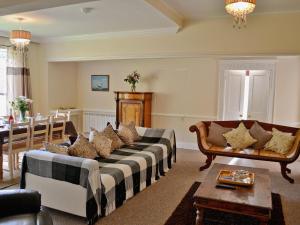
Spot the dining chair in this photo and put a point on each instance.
(39, 132)
(57, 129)
(18, 141)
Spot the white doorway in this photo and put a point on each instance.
(246, 91)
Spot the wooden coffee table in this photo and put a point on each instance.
(255, 201)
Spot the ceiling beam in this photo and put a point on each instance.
(168, 11)
(19, 6)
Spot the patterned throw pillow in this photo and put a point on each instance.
(215, 134)
(111, 134)
(101, 143)
(131, 127)
(82, 148)
(126, 135)
(281, 142)
(239, 138)
(59, 149)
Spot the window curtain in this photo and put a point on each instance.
(18, 75)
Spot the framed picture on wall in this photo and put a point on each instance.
(100, 82)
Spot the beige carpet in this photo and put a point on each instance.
(155, 204)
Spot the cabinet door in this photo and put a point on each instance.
(131, 111)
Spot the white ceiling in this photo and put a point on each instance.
(107, 16)
(114, 16)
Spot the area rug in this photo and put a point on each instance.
(185, 213)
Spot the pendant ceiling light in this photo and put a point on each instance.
(239, 9)
(20, 38)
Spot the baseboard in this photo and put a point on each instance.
(187, 145)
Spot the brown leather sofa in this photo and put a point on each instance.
(212, 151)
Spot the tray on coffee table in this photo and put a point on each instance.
(227, 177)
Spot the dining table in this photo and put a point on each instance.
(4, 134)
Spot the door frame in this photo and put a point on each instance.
(255, 64)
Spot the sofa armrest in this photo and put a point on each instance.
(295, 150)
(200, 129)
(13, 202)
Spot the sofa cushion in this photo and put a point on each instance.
(126, 135)
(245, 151)
(268, 153)
(101, 143)
(215, 134)
(82, 148)
(281, 142)
(239, 138)
(260, 134)
(112, 135)
(54, 148)
(131, 127)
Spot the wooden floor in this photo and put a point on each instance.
(7, 181)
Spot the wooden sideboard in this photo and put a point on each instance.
(133, 106)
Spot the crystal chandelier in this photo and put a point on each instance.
(239, 10)
(20, 38)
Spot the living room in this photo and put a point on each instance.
(182, 51)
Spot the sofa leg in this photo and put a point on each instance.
(208, 163)
(284, 171)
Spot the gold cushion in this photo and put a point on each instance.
(239, 138)
(126, 135)
(82, 148)
(59, 149)
(131, 127)
(101, 143)
(111, 134)
(281, 142)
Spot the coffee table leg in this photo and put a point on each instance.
(199, 216)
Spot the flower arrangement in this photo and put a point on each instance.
(22, 105)
(132, 79)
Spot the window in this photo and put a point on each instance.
(3, 82)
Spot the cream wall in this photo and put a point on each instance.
(287, 95)
(185, 89)
(62, 85)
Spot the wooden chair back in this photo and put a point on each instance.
(19, 132)
(57, 129)
(39, 132)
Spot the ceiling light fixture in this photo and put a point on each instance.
(20, 38)
(239, 9)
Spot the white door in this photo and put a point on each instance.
(234, 95)
(259, 95)
(247, 95)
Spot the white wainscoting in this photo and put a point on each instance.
(97, 119)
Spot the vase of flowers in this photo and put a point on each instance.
(133, 78)
(22, 105)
